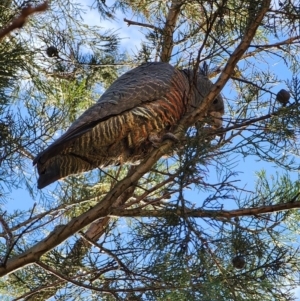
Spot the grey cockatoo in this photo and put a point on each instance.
(145, 102)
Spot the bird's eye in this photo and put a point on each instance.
(215, 101)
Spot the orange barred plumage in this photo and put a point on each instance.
(147, 101)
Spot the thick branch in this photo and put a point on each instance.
(168, 31)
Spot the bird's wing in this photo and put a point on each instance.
(145, 83)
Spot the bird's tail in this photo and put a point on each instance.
(59, 167)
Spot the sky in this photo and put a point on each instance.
(131, 39)
(249, 166)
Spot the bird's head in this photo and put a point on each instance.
(201, 88)
(216, 108)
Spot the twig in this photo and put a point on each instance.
(32, 292)
(19, 21)
(251, 83)
(243, 124)
(108, 252)
(9, 236)
(281, 43)
(14, 243)
(82, 284)
(227, 71)
(129, 22)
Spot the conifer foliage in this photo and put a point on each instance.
(209, 215)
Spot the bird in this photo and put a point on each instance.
(132, 115)
(283, 97)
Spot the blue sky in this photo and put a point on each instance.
(131, 38)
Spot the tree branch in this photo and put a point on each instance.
(261, 48)
(216, 214)
(19, 21)
(68, 279)
(105, 207)
(288, 41)
(129, 22)
(240, 79)
(228, 69)
(92, 234)
(168, 31)
(244, 124)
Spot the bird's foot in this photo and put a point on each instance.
(156, 140)
(169, 136)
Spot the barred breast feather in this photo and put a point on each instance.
(146, 101)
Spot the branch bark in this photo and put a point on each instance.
(168, 31)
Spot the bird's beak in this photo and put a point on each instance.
(216, 119)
